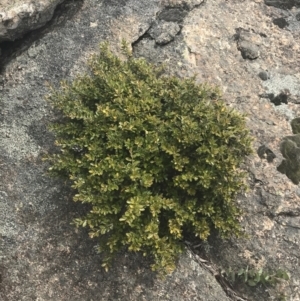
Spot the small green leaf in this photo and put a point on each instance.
(282, 274)
(252, 282)
(241, 272)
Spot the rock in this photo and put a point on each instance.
(164, 32)
(280, 81)
(263, 75)
(20, 16)
(247, 44)
(286, 4)
(188, 4)
(248, 50)
(280, 22)
(173, 14)
(279, 99)
(38, 244)
(265, 153)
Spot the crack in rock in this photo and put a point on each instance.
(167, 24)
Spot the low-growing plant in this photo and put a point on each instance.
(155, 156)
(254, 277)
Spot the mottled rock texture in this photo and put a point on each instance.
(42, 256)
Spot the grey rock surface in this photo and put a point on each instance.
(247, 44)
(265, 153)
(164, 32)
(263, 75)
(280, 22)
(42, 256)
(248, 50)
(287, 4)
(18, 17)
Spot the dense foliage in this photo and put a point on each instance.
(155, 156)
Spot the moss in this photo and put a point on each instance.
(290, 149)
(154, 156)
(295, 123)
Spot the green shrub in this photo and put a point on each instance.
(155, 156)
